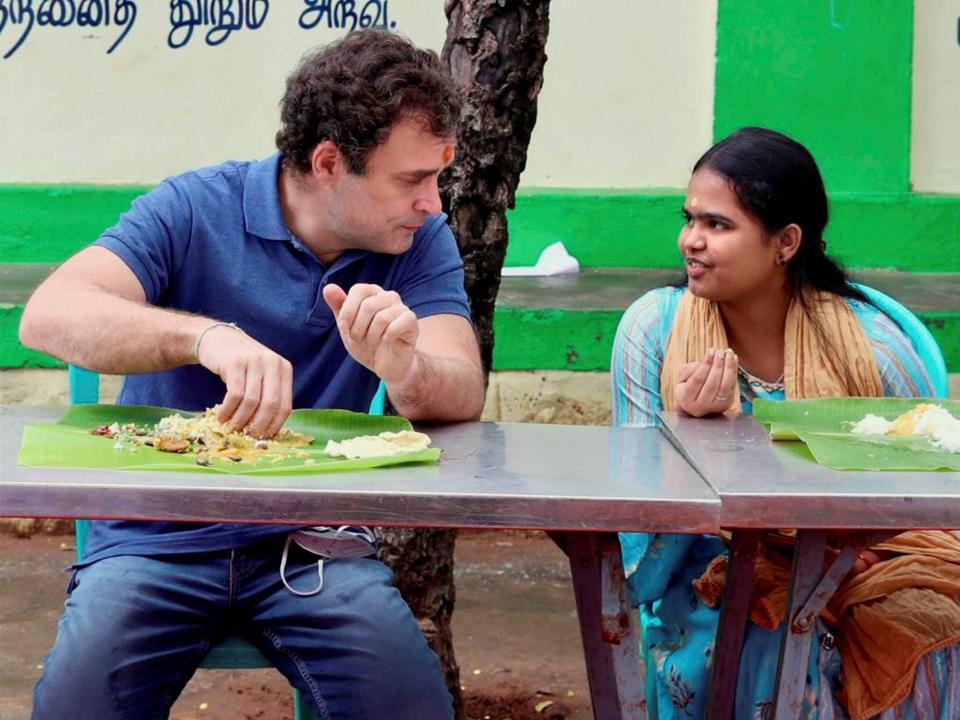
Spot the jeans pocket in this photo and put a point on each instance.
(74, 580)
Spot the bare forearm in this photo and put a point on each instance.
(92, 328)
(439, 388)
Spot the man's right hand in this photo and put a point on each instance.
(259, 381)
(94, 298)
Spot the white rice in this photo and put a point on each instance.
(942, 427)
(872, 425)
(934, 422)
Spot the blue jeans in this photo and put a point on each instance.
(135, 629)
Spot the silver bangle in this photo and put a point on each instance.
(208, 328)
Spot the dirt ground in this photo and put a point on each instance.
(515, 634)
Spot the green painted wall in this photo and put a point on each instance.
(903, 231)
(835, 75)
(48, 223)
(945, 328)
(601, 228)
(562, 340)
(12, 353)
(549, 339)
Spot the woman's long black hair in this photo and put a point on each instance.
(777, 182)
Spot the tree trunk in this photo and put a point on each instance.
(495, 50)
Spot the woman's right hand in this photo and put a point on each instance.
(706, 387)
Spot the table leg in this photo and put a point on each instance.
(734, 614)
(607, 625)
(797, 638)
(809, 595)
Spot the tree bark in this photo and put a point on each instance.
(495, 51)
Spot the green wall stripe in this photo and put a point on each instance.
(917, 233)
(12, 353)
(48, 223)
(583, 340)
(945, 328)
(526, 339)
(601, 228)
(904, 231)
(834, 75)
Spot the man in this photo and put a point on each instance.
(299, 281)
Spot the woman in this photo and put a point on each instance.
(765, 313)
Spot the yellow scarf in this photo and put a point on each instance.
(890, 616)
(813, 362)
(885, 619)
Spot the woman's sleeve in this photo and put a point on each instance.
(902, 372)
(636, 360)
(650, 560)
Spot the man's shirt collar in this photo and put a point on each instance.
(262, 214)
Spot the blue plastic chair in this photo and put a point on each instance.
(234, 653)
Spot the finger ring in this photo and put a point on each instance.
(721, 398)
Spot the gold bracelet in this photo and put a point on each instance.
(208, 328)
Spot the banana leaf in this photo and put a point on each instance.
(823, 425)
(69, 443)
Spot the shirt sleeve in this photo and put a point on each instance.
(431, 276)
(902, 372)
(637, 357)
(151, 236)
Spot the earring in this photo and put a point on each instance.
(780, 261)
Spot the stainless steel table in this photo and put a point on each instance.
(764, 485)
(584, 483)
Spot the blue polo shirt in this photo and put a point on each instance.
(214, 242)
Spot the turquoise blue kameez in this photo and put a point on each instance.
(678, 629)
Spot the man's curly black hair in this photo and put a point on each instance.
(352, 92)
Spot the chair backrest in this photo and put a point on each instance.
(379, 397)
(84, 385)
(923, 342)
(85, 390)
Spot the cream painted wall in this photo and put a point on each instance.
(631, 107)
(627, 99)
(73, 114)
(935, 132)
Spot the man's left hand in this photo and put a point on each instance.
(378, 330)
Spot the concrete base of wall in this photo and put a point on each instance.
(544, 396)
(558, 397)
(29, 386)
(566, 398)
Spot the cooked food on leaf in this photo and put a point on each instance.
(386, 443)
(925, 420)
(168, 442)
(204, 435)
